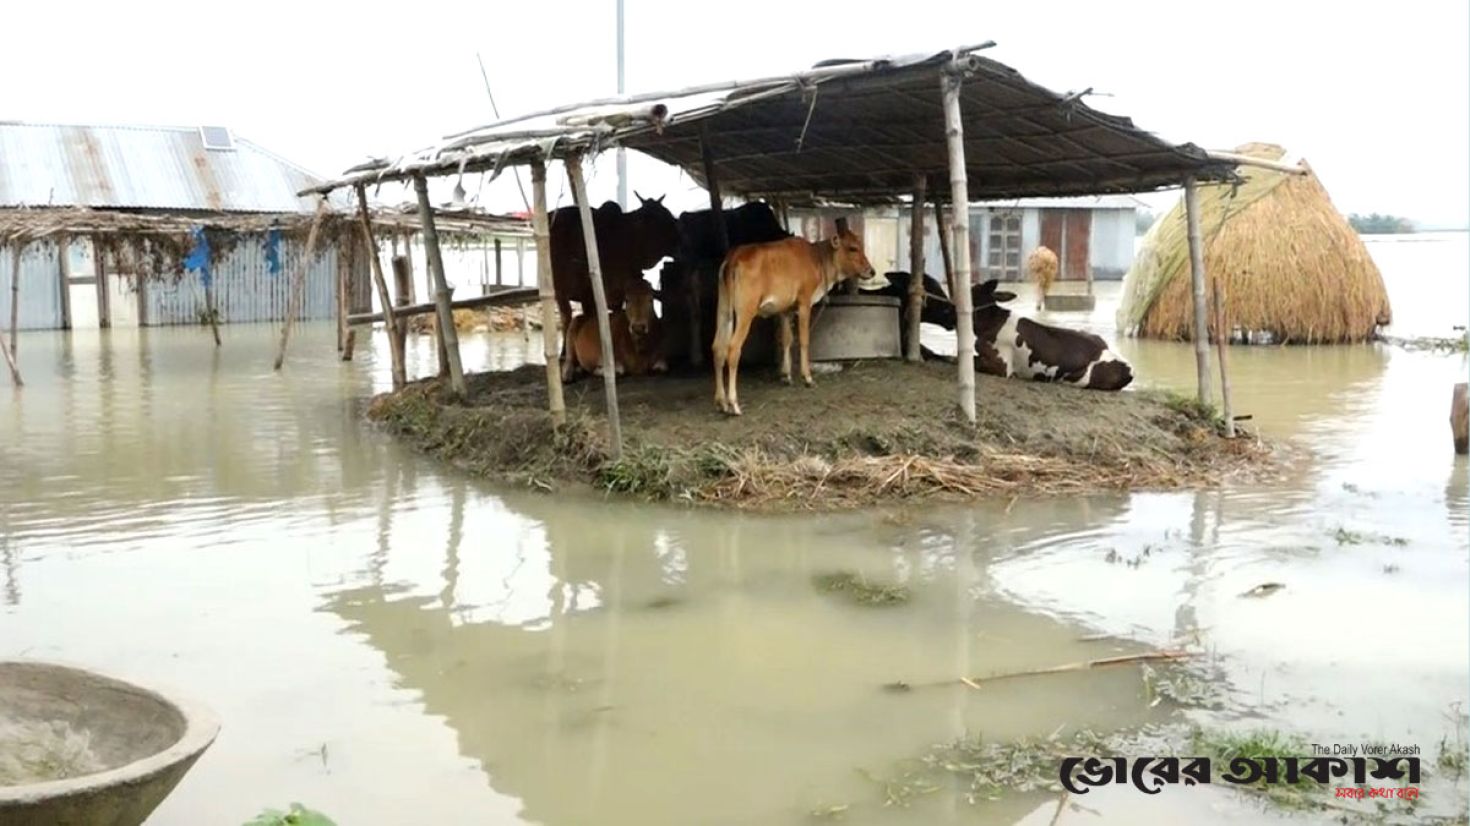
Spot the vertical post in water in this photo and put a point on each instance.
(1222, 342)
(1197, 281)
(63, 275)
(959, 200)
(599, 298)
(916, 269)
(298, 281)
(9, 349)
(448, 336)
(390, 318)
(545, 287)
(104, 296)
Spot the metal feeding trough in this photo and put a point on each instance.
(848, 327)
(91, 750)
(1071, 302)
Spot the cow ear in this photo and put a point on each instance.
(836, 242)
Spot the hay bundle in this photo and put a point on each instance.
(1042, 267)
(1293, 269)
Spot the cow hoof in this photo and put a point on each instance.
(807, 380)
(786, 379)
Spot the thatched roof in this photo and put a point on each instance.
(1292, 266)
(855, 131)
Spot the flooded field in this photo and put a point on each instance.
(391, 642)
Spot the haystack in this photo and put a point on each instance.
(1293, 269)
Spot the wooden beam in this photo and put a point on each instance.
(546, 290)
(916, 270)
(1197, 282)
(1247, 160)
(298, 282)
(960, 197)
(210, 311)
(63, 272)
(941, 228)
(104, 295)
(370, 246)
(448, 335)
(1222, 344)
(15, 255)
(503, 298)
(599, 298)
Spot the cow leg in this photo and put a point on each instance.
(784, 341)
(732, 358)
(804, 338)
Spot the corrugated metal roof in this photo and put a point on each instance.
(143, 167)
(1082, 202)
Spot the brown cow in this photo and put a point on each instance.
(637, 336)
(627, 244)
(778, 278)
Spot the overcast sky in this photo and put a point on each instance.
(1376, 97)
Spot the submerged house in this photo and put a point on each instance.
(159, 225)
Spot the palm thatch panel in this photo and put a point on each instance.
(1292, 268)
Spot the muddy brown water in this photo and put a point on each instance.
(390, 641)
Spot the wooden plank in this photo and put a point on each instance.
(959, 187)
(1197, 283)
(573, 164)
(448, 335)
(370, 246)
(546, 291)
(916, 270)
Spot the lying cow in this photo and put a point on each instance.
(1008, 344)
(777, 279)
(637, 336)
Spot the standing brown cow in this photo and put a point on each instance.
(778, 278)
(627, 244)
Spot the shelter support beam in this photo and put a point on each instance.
(63, 275)
(15, 255)
(916, 270)
(298, 282)
(1197, 282)
(941, 228)
(104, 294)
(599, 298)
(448, 335)
(722, 236)
(546, 288)
(959, 188)
(370, 246)
(1222, 343)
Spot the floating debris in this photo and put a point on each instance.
(858, 589)
(1265, 589)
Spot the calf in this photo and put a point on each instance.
(1007, 344)
(778, 278)
(637, 335)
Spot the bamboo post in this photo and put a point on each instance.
(209, 310)
(712, 183)
(298, 282)
(104, 296)
(1197, 281)
(599, 298)
(959, 199)
(10, 361)
(63, 274)
(342, 326)
(1222, 342)
(916, 269)
(941, 229)
(448, 335)
(499, 272)
(370, 245)
(15, 254)
(349, 338)
(403, 296)
(546, 288)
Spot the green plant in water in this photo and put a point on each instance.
(297, 815)
(1347, 537)
(1191, 407)
(858, 589)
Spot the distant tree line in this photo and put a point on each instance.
(1376, 224)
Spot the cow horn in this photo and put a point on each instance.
(641, 199)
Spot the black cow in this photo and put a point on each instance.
(1008, 344)
(751, 223)
(938, 309)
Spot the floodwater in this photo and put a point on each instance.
(391, 642)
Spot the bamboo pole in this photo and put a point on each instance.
(959, 186)
(342, 326)
(722, 238)
(942, 230)
(604, 331)
(545, 286)
(402, 298)
(298, 282)
(209, 310)
(104, 296)
(448, 335)
(63, 275)
(1197, 281)
(15, 255)
(10, 361)
(349, 337)
(1222, 342)
(370, 245)
(916, 270)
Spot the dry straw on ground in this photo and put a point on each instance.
(1292, 266)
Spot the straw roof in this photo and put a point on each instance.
(1292, 267)
(856, 131)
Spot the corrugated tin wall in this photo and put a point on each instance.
(40, 287)
(245, 289)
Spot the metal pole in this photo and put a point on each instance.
(959, 199)
(447, 334)
(622, 153)
(599, 299)
(1197, 281)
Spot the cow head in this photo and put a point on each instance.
(656, 229)
(638, 307)
(848, 257)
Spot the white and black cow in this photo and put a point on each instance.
(1008, 344)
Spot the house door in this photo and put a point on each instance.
(1068, 233)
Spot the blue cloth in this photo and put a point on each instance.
(198, 258)
(273, 251)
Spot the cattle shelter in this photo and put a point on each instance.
(946, 127)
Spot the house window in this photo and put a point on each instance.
(1004, 260)
(216, 137)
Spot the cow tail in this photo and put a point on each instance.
(724, 309)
